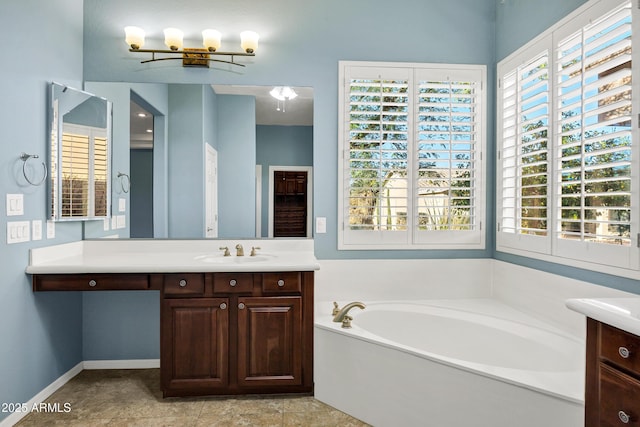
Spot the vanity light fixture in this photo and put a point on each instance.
(282, 94)
(192, 57)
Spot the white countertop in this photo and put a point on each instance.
(622, 313)
(167, 256)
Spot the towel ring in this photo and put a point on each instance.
(122, 182)
(25, 158)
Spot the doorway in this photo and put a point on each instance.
(141, 171)
(290, 208)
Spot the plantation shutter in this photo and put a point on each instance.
(100, 173)
(448, 126)
(594, 139)
(85, 155)
(524, 167)
(74, 170)
(377, 154)
(411, 173)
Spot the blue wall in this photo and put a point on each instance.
(307, 54)
(186, 164)
(40, 334)
(518, 21)
(237, 164)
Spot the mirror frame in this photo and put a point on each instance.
(57, 110)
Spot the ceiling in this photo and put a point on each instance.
(295, 112)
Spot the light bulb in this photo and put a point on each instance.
(211, 40)
(173, 38)
(134, 37)
(249, 41)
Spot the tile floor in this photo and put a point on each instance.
(132, 397)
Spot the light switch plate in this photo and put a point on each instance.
(36, 230)
(51, 230)
(15, 204)
(18, 231)
(122, 204)
(121, 221)
(321, 225)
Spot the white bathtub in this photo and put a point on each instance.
(467, 362)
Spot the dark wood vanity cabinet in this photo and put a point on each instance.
(612, 396)
(92, 282)
(194, 341)
(222, 333)
(237, 333)
(270, 348)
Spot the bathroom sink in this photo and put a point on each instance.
(231, 259)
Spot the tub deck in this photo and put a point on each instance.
(356, 368)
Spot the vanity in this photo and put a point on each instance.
(234, 324)
(612, 387)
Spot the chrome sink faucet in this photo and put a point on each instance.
(341, 315)
(239, 250)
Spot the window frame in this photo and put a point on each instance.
(601, 257)
(412, 239)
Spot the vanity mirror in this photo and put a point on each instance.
(79, 153)
(166, 157)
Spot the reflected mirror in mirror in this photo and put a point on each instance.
(80, 147)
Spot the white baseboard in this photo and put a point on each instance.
(42, 396)
(122, 364)
(64, 378)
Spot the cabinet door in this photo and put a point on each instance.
(269, 341)
(194, 345)
(619, 398)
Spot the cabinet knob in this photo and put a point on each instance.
(241, 306)
(92, 283)
(624, 417)
(233, 282)
(223, 306)
(624, 352)
(280, 282)
(182, 283)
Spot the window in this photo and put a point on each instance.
(83, 167)
(411, 143)
(565, 143)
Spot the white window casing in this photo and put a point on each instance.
(575, 120)
(411, 141)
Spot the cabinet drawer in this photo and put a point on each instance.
(620, 348)
(619, 398)
(281, 282)
(183, 284)
(232, 282)
(90, 282)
